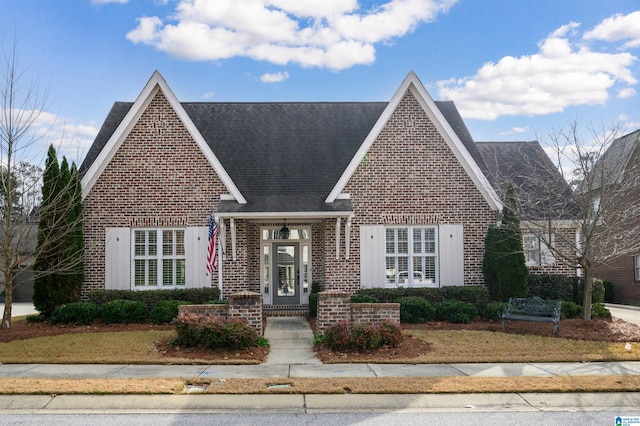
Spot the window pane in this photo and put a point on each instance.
(179, 243)
(430, 270)
(430, 240)
(180, 272)
(417, 240)
(139, 237)
(391, 269)
(153, 272)
(153, 241)
(167, 272)
(403, 241)
(391, 241)
(139, 272)
(167, 243)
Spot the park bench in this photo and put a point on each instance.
(532, 309)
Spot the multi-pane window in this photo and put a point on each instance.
(532, 252)
(637, 260)
(411, 256)
(158, 258)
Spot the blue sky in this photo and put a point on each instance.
(517, 69)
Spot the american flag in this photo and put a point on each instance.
(212, 253)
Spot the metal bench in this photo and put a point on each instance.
(532, 309)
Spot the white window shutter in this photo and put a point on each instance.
(372, 256)
(546, 256)
(451, 255)
(117, 259)
(196, 242)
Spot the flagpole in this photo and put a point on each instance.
(220, 251)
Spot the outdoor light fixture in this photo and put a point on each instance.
(284, 231)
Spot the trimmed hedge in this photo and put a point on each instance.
(493, 311)
(477, 295)
(196, 296)
(123, 312)
(456, 311)
(165, 311)
(561, 287)
(415, 309)
(77, 313)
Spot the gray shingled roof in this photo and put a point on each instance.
(541, 187)
(611, 167)
(283, 157)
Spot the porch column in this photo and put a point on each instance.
(347, 237)
(233, 238)
(338, 238)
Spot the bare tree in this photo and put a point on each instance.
(600, 209)
(22, 105)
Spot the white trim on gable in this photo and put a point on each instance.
(411, 82)
(156, 83)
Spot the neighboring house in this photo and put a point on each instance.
(543, 195)
(619, 171)
(349, 194)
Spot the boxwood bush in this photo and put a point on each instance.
(165, 311)
(477, 295)
(196, 296)
(456, 311)
(493, 311)
(570, 310)
(123, 312)
(360, 337)
(81, 313)
(416, 310)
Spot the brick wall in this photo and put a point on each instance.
(245, 305)
(334, 306)
(158, 178)
(410, 171)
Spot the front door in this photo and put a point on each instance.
(286, 273)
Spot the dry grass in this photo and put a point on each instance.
(131, 347)
(369, 385)
(451, 346)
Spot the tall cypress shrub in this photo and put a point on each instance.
(58, 269)
(504, 267)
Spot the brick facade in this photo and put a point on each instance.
(410, 172)
(245, 305)
(158, 178)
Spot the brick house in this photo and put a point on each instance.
(619, 169)
(351, 195)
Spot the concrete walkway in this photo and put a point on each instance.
(19, 309)
(291, 341)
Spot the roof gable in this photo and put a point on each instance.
(103, 151)
(413, 84)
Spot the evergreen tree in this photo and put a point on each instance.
(504, 267)
(58, 267)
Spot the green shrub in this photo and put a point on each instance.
(313, 299)
(597, 292)
(214, 332)
(196, 296)
(570, 310)
(555, 287)
(608, 290)
(165, 311)
(493, 310)
(123, 312)
(341, 336)
(415, 310)
(599, 311)
(363, 298)
(456, 311)
(80, 313)
(478, 295)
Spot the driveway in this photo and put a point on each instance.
(625, 312)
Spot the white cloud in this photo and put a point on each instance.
(618, 27)
(559, 75)
(275, 77)
(627, 92)
(208, 95)
(514, 130)
(335, 34)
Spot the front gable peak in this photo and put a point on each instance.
(413, 85)
(155, 85)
